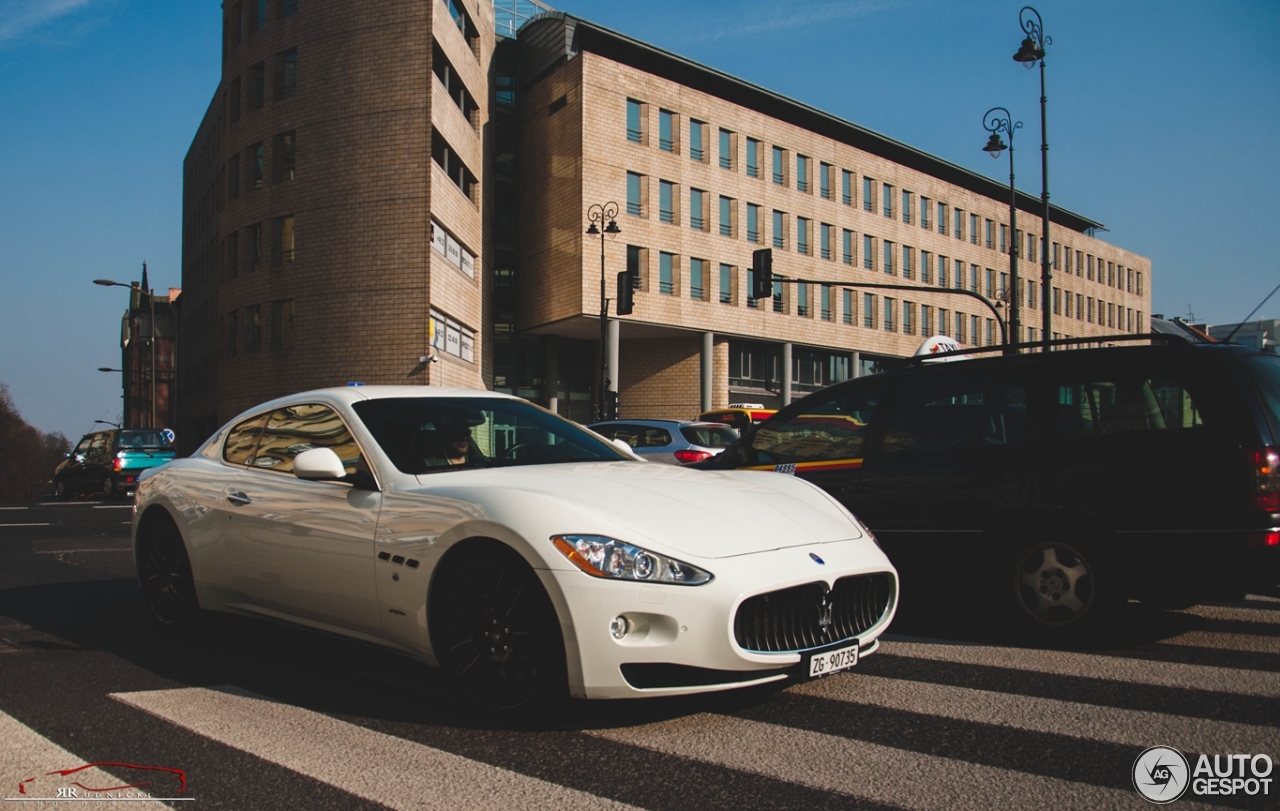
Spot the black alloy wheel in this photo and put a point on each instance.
(164, 576)
(496, 633)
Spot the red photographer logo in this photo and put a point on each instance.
(88, 783)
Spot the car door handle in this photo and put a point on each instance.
(238, 499)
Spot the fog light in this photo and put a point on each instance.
(619, 627)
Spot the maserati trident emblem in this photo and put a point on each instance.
(817, 559)
(824, 612)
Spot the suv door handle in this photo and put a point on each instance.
(238, 499)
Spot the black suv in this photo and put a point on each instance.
(1058, 484)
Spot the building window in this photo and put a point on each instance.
(869, 310)
(753, 303)
(448, 160)
(779, 303)
(235, 28)
(846, 187)
(635, 121)
(753, 158)
(666, 201)
(803, 226)
(825, 302)
(1137, 282)
(906, 262)
(975, 330)
(825, 236)
(868, 194)
(868, 252)
(1057, 301)
(753, 223)
(991, 283)
(726, 284)
(944, 321)
(282, 158)
(282, 325)
(233, 100)
(824, 180)
(908, 322)
(666, 131)
(635, 194)
(454, 87)
(888, 257)
(779, 229)
(232, 249)
(286, 74)
(847, 295)
(1004, 238)
(638, 267)
(253, 235)
(802, 173)
(802, 300)
(253, 328)
(779, 166)
(973, 279)
(257, 86)
(973, 229)
(959, 216)
(887, 200)
(943, 263)
(255, 165)
(232, 326)
(926, 267)
(991, 227)
(960, 327)
(233, 176)
(698, 279)
(728, 144)
(906, 206)
(698, 210)
(925, 207)
(889, 305)
(1057, 249)
(1031, 247)
(846, 247)
(728, 208)
(666, 274)
(697, 141)
(282, 242)
(926, 320)
(942, 218)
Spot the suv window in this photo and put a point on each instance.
(1118, 403)
(830, 427)
(141, 439)
(954, 412)
(299, 428)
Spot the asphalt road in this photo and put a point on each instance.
(254, 715)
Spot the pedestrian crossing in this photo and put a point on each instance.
(927, 724)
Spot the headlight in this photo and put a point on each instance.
(599, 556)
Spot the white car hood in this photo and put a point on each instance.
(705, 514)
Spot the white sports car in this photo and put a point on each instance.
(518, 551)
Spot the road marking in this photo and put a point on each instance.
(1217, 640)
(25, 753)
(1085, 721)
(373, 765)
(41, 524)
(1092, 666)
(869, 771)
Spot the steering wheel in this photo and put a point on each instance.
(510, 453)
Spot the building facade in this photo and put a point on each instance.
(393, 192)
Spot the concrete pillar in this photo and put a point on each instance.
(615, 335)
(857, 363)
(551, 363)
(786, 374)
(708, 369)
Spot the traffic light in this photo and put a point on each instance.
(762, 267)
(626, 292)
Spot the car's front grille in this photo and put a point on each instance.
(809, 616)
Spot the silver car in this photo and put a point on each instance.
(675, 442)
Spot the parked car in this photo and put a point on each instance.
(671, 441)
(740, 416)
(1057, 483)
(522, 554)
(109, 462)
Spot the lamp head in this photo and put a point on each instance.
(612, 228)
(1029, 53)
(592, 230)
(995, 145)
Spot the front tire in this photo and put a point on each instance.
(164, 577)
(496, 633)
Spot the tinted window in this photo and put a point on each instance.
(1265, 371)
(936, 412)
(299, 428)
(243, 439)
(1110, 404)
(709, 436)
(827, 425)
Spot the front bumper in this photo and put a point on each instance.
(681, 638)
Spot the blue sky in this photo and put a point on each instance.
(1163, 125)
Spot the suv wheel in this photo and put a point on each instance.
(108, 488)
(1058, 587)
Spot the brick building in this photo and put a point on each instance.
(378, 183)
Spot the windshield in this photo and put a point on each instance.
(141, 439)
(429, 434)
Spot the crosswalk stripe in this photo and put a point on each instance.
(1238, 613)
(24, 753)
(1095, 666)
(1216, 640)
(864, 770)
(1126, 727)
(373, 765)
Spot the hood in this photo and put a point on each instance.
(705, 514)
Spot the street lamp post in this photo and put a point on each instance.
(995, 125)
(1031, 52)
(597, 215)
(151, 301)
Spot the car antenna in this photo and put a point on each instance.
(1227, 340)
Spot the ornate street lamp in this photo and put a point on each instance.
(1031, 52)
(995, 125)
(603, 215)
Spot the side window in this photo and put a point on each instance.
(1005, 420)
(654, 438)
(295, 429)
(629, 434)
(98, 448)
(826, 428)
(937, 412)
(1122, 403)
(242, 440)
(83, 448)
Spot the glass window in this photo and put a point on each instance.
(886, 199)
(825, 233)
(753, 222)
(779, 229)
(906, 262)
(635, 194)
(753, 157)
(698, 279)
(283, 166)
(697, 136)
(869, 310)
(846, 187)
(666, 130)
(726, 284)
(726, 217)
(889, 322)
(242, 440)
(889, 248)
(726, 149)
(847, 246)
(779, 166)
(802, 235)
(635, 121)
(666, 201)
(802, 173)
(287, 74)
(802, 299)
(299, 428)
(824, 181)
(868, 252)
(827, 427)
(868, 194)
(847, 295)
(925, 207)
(697, 216)
(666, 274)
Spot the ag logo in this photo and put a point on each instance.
(1160, 774)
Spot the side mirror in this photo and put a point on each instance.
(318, 463)
(627, 449)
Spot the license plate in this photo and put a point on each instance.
(824, 663)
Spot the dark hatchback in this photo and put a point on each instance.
(109, 462)
(1053, 485)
